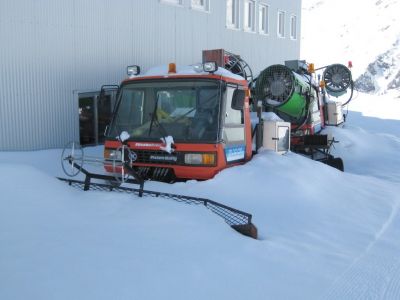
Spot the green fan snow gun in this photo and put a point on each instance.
(337, 79)
(283, 90)
(299, 97)
(290, 89)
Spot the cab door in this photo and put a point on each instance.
(233, 131)
(95, 111)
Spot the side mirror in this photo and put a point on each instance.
(102, 96)
(238, 99)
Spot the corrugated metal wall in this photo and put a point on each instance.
(51, 49)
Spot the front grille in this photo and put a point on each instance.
(157, 157)
(155, 173)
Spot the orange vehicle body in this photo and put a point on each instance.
(175, 164)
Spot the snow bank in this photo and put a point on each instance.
(62, 243)
(318, 227)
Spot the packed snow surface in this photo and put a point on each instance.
(322, 233)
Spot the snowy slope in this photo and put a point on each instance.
(383, 73)
(367, 32)
(324, 234)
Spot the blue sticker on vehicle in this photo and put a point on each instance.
(235, 153)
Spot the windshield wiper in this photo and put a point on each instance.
(178, 118)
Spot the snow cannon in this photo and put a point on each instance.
(337, 78)
(283, 90)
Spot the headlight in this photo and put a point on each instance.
(200, 159)
(133, 70)
(210, 66)
(112, 154)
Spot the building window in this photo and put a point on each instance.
(281, 24)
(232, 14)
(293, 27)
(174, 2)
(249, 15)
(263, 19)
(203, 5)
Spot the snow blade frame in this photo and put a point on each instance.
(237, 219)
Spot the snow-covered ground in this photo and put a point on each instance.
(324, 234)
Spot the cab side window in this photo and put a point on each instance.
(233, 131)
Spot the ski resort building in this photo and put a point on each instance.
(56, 55)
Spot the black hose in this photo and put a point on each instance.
(351, 94)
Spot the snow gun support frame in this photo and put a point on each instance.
(72, 160)
(317, 147)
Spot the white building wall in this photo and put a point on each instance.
(51, 49)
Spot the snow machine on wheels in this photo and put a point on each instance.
(293, 92)
(120, 174)
(177, 123)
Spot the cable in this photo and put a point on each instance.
(351, 94)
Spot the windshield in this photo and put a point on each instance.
(185, 110)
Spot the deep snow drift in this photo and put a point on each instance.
(322, 232)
